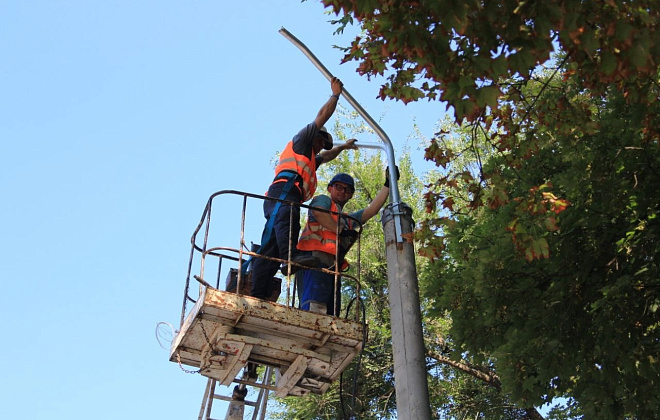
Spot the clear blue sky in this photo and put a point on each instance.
(118, 119)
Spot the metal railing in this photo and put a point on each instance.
(205, 252)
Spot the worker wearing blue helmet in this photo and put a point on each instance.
(320, 238)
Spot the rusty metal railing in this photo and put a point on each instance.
(204, 251)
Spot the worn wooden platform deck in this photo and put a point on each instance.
(224, 331)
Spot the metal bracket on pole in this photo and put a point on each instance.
(387, 144)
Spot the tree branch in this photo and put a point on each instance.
(489, 377)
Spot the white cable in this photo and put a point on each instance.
(163, 334)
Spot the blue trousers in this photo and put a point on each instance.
(320, 287)
(277, 243)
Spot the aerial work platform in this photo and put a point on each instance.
(264, 345)
(224, 331)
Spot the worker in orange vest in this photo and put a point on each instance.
(320, 237)
(295, 181)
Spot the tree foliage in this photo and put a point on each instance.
(478, 57)
(583, 322)
(543, 215)
(460, 51)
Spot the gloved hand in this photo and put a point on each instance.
(387, 175)
(347, 238)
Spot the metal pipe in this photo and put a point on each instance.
(264, 397)
(239, 275)
(387, 148)
(373, 146)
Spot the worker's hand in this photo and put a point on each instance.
(336, 85)
(351, 234)
(350, 144)
(387, 175)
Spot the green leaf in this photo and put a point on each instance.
(465, 81)
(499, 66)
(488, 95)
(638, 55)
(522, 61)
(623, 31)
(589, 42)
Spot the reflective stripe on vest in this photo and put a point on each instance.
(315, 237)
(302, 165)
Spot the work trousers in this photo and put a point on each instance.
(320, 287)
(276, 242)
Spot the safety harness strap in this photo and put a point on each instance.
(268, 230)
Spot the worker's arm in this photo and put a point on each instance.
(372, 209)
(330, 105)
(328, 155)
(326, 220)
(381, 197)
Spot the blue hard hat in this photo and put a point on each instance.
(344, 179)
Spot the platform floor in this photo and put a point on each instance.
(224, 331)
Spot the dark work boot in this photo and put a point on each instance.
(305, 260)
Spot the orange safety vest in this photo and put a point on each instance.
(315, 237)
(302, 165)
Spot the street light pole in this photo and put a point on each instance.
(410, 381)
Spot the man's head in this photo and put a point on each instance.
(323, 140)
(341, 188)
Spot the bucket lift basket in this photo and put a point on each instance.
(226, 330)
